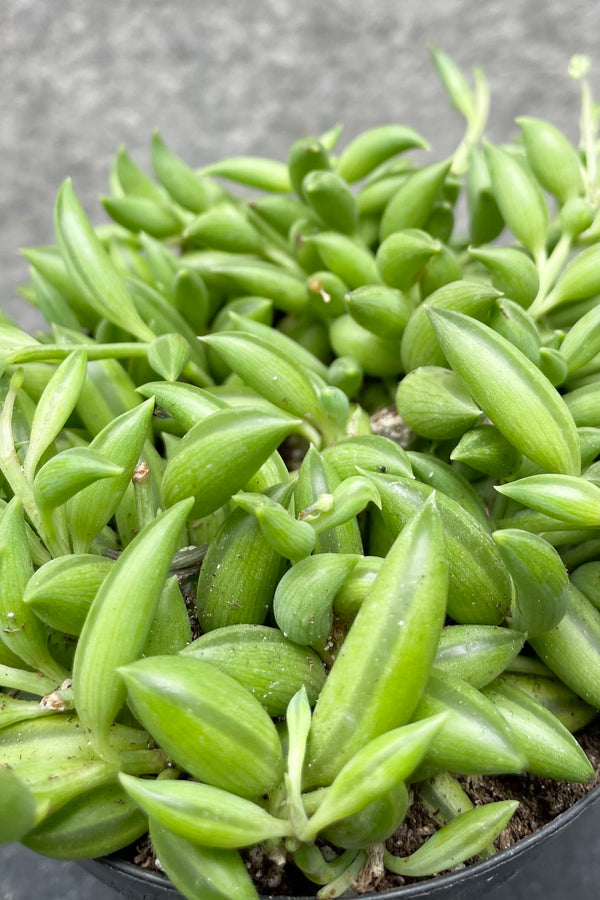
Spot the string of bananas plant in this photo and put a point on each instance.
(233, 611)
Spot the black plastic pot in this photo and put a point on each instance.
(465, 884)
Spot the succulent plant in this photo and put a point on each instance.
(300, 504)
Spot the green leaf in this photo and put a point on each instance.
(331, 199)
(373, 771)
(201, 872)
(454, 81)
(55, 406)
(17, 807)
(419, 345)
(160, 220)
(204, 814)
(121, 442)
(392, 641)
(374, 824)
(270, 666)
(552, 157)
(480, 587)
(572, 649)
(224, 227)
(298, 718)
(551, 750)
(20, 628)
(280, 379)
(292, 539)
(168, 355)
(444, 478)
(119, 621)
(255, 171)
(485, 219)
(348, 259)
(188, 189)
(465, 836)
(569, 498)
(434, 403)
(376, 355)
(483, 448)
(413, 202)
(303, 601)
(95, 823)
(370, 452)
(346, 501)
(477, 653)
(134, 181)
(246, 276)
(519, 199)
(69, 472)
(474, 737)
(540, 578)
(402, 256)
(61, 591)
(306, 155)
(510, 390)
(380, 309)
(373, 147)
(208, 723)
(186, 403)
(90, 266)
(221, 453)
(316, 479)
(512, 271)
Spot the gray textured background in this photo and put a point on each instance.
(222, 77)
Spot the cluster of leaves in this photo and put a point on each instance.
(437, 601)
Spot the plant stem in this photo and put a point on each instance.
(548, 271)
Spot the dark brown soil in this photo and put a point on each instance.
(541, 800)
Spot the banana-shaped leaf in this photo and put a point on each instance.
(480, 588)
(188, 189)
(202, 872)
(375, 146)
(474, 737)
(374, 771)
(280, 379)
(511, 390)
(477, 653)
(240, 571)
(459, 840)
(120, 442)
(519, 198)
(303, 602)
(95, 823)
(207, 722)
(55, 406)
(17, 806)
(291, 538)
(569, 498)
(204, 814)
(392, 641)
(540, 578)
(119, 622)
(551, 750)
(20, 628)
(221, 453)
(69, 472)
(62, 590)
(90, 266)
(271, 667)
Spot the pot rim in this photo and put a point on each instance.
(415, 890)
